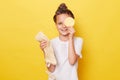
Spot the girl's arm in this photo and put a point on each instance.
(72, 56)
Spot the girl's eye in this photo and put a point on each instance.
(60, 23)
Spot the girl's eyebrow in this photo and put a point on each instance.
(59, 22)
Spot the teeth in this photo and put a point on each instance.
(64, 29)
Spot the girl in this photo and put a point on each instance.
(67, 48)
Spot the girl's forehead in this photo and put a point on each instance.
(62, 17)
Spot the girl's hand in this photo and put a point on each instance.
(43, 44)
(71, 32)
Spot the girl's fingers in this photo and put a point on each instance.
(44, 41)
(71, 30)
(43, 44)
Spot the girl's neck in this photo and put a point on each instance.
(63, 38)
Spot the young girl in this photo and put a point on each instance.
(67, 48)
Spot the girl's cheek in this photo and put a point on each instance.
(58, 27)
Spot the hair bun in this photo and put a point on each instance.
(62, 6)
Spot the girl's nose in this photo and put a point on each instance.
(64, 25)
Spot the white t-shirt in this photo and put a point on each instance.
(64, 70)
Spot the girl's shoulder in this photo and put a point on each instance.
(75, 38)
(54, 39)
(78, 38)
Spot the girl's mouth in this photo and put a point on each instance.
(64, 29)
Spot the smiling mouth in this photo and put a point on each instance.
(64, 29)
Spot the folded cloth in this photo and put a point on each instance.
(49, 53)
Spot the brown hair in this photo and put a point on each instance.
(62, 9)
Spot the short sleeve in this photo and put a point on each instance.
(78, 46)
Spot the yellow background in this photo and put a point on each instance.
(97, 21)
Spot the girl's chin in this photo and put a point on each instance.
(64, 34)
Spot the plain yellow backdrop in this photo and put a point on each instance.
(97, 22)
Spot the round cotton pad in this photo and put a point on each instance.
(69, 22)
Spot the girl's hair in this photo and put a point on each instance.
(62, 9)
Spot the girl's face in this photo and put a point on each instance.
(62, 29)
